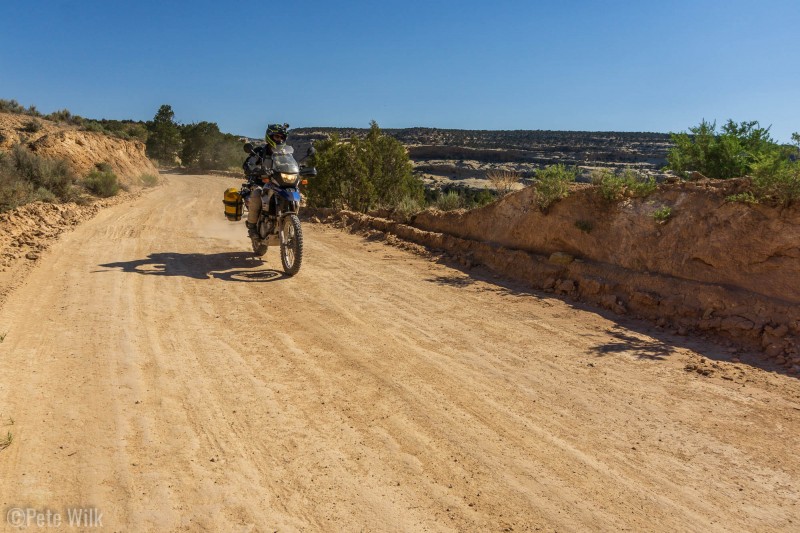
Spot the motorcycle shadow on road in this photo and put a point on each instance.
(228, 266)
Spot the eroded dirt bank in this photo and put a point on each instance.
(82, 150)
(726, 268)
(27, 231)
(159, 373)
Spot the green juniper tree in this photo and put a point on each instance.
(164, 140)
(362, 174)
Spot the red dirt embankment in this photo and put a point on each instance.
(714, 266)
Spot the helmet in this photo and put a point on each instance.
(276, 134)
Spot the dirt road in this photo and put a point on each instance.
(155, 371)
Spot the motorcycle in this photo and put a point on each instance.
(278, 222)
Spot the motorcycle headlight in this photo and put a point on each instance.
(289, 179)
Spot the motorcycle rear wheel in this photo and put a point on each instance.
(291, 244)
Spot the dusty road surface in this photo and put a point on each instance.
(153, 370)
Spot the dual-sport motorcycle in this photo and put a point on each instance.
(280, 177)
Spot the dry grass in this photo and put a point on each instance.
(503, 180)
(6, 442)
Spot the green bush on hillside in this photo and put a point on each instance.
(614, 187)
(776, 179)
(728, 153)
(31, 126)
(407, 207)
(662, 214)
(102, 183)
(26, 177)
(12, 106)
(739, 150)
(552, 184)
(51, 174)
(449, 201)
(469, 198)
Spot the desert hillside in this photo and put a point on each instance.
(82, 150)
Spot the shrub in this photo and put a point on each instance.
(14, 191)
(31, 126)
(26, 177)
(407, 207)
(148, 180)
(360, 174)
(64, 115)
(662, 214)
(44, 195)
(470, 198)
(12, 106)
(639, 185)
(613, 187)
(503, 180)
(584, 225)
(449, 201)
(479, 198)
(609, 185)
(728, 153)
(51, 174)
(552, 184)
(102, 183)
(776, 179)
(93, 126)
(742, 197)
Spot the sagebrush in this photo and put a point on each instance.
(26, 177)
(149, 180)
(103, 183)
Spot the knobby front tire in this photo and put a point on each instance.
(291, 245)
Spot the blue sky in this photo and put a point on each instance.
(568, 65)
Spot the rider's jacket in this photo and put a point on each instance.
(255, 162)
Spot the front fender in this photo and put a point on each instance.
(290, 195)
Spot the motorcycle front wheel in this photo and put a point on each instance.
(291, 244)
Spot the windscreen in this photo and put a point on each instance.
(283, 160)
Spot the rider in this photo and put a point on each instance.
(275, 139)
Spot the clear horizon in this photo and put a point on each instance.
(574, 66)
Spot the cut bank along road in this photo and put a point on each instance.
(155, 371)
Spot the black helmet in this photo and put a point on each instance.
(276, 134)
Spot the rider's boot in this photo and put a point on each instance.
(252, 230)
